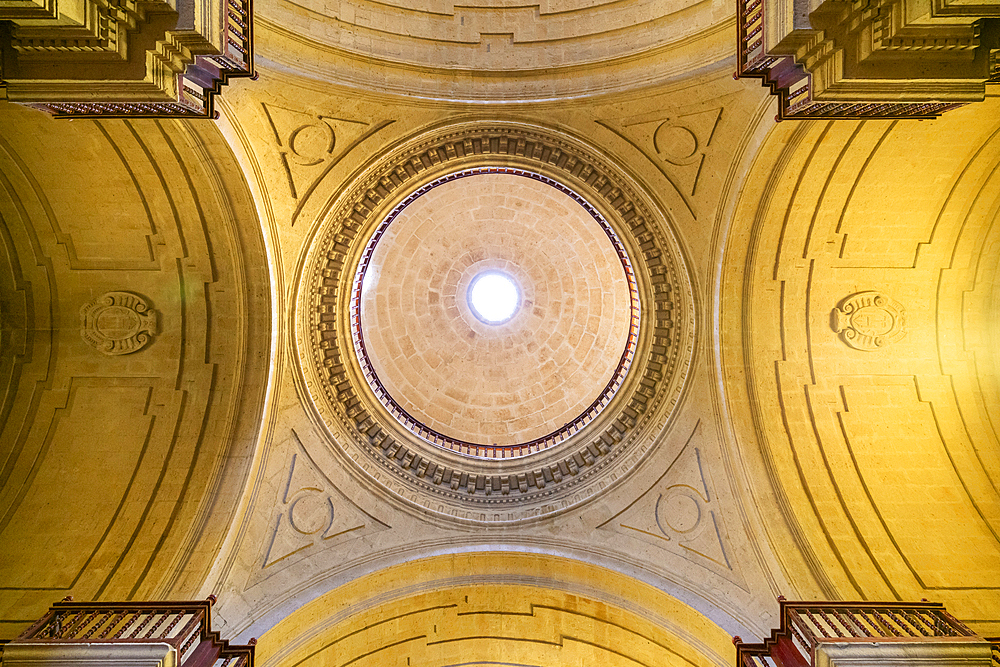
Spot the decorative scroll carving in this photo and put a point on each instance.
(679, 509)
(311, 144)
(303, 140)
(313, 513)
(118, 323)
(869, 320)
(677, 145)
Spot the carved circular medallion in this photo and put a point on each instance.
(646, 328)
(869, 320)
(117, 323)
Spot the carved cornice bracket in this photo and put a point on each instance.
(124, 58)
(869, 58)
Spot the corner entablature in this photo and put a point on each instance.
(870, 58)
(123, 58)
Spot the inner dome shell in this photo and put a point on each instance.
(494, 390)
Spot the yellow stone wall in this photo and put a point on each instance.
(119, 473)
(883, 462)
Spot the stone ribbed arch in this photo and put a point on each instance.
(496, 608)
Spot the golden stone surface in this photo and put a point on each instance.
(757, 453)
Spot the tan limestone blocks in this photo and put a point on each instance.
(506, 383)
(547, 50)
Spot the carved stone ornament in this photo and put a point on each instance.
(869, 320)
(118, 323)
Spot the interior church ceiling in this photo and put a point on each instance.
(751, 358)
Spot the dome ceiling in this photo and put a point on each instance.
(416, 380)
(559, 358)
(749, 452)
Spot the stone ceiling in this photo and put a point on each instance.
(512, 382)
(767, 440)
(497, 51)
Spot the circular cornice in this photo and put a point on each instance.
(581, 463)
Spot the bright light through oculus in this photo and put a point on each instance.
(493, 297)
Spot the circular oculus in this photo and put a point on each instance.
(494, 297)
